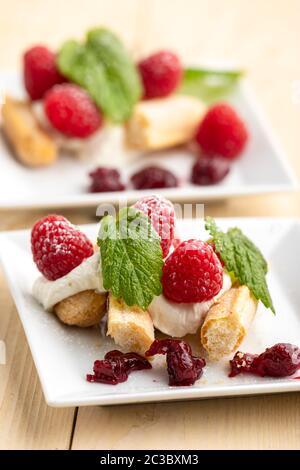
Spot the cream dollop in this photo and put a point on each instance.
(86, 276)
(178, 320)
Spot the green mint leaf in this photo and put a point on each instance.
(103, 67)
(131, 257)
(242, 259)
(209, 85)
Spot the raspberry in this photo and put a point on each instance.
(40, 71)
(71, 111)
(176, 242)
(161, 74)
(192, 273)
(210, 170)
(222, 132)
(58, 247)
(161, 214)
(105, 179)
(154, 177)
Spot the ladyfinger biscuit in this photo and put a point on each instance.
(32, 145)
(130, 327)
(164, 122)
(83, 309)
(228, 321)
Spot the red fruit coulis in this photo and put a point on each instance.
(281, 360)
(183, 368)
(116, 366)
(105, 180)
(154, 177)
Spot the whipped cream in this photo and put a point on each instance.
(86, 276)
(176, 319)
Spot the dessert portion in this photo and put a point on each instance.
(71, 283)
(78, 95)
(146, 280)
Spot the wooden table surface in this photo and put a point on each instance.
(264, 37)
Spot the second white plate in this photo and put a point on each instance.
(261, 169)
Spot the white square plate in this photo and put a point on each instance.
(63, 355)
(261, 169)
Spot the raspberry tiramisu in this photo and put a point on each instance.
(145, 280)
(91, 102)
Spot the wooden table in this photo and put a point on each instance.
(264, 37)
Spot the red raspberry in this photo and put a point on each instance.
(176, 242)
(58, 247)
(161, 214)
(161, 74)
(222, 132)
(71, 111)
(40, 71)
(192, 273)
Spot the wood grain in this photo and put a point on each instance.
(264, 38)
(26, 422)
(237, 423)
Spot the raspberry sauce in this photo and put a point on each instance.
(105, 180)
(281, 360)
(154, 177)
(183, 368)
(116, 366)
(210, 170)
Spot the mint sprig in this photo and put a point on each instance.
(210, 85)
(103, 67)
(131, 257)
(242, 259)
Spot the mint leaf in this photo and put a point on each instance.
(103, 67)
(243, 259)
(131, 257)
(209, 85)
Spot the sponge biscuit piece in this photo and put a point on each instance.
(83, 309)
(130, 327)
(163, 122)
(228, 321)
(32, 145)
